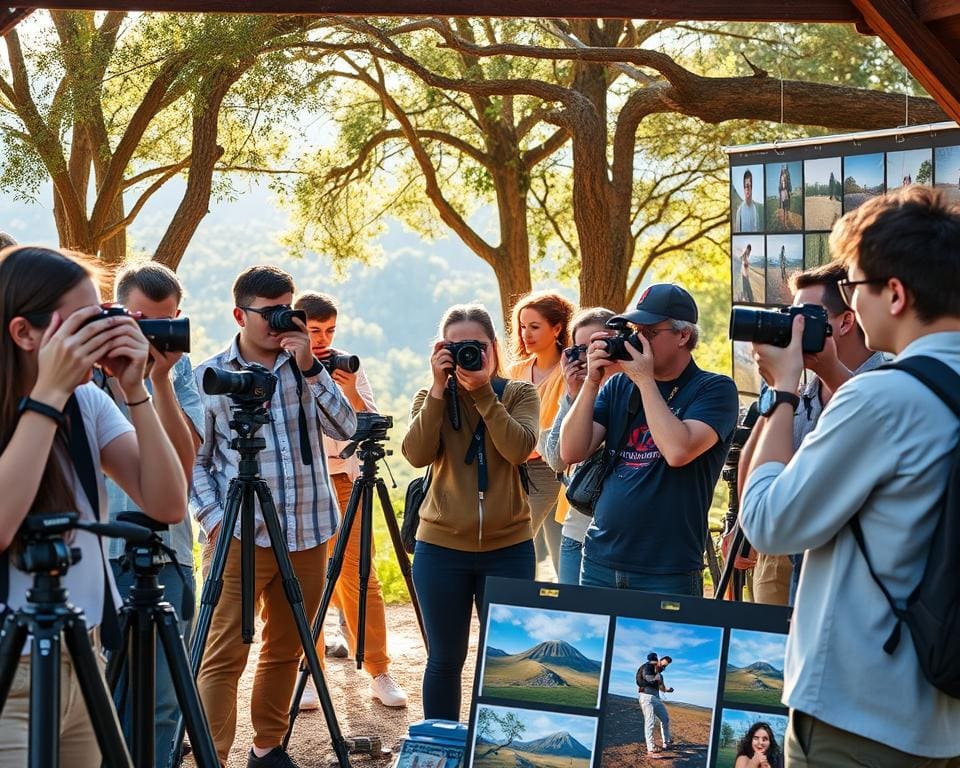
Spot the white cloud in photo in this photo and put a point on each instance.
(749, 647)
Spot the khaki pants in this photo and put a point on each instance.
(346, 593)
(771, 579)
(814, 743)
(280, 651)
(78, 744)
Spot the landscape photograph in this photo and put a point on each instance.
(734, 725)
(508, 737)
(862, 179)
(745, 373)
(692, 674)
(754, 673)
(946, 173)
(783, 204)
(910, 166)
(747, 263)
(784, 259)
(816, 250)
(544, 656)
(822, 192)
(746, 218)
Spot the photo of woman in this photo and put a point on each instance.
(759, 749)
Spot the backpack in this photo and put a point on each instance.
(932, 612)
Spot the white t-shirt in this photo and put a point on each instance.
(84, 581)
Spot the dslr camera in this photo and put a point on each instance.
(252, 386)
(576, 352)
(775, 326)
(165, 335)
(467, 354)
(371, 426)
(616, 346)
(336, 361)
(280, 318)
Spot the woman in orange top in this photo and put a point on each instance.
(540, 332)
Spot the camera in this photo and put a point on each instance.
(616, 346)
(280, 319)
(253, 385)
(775, 326)
(371, 426)
(467, 354)
(166, 335)
(336, 361)
(576, 352)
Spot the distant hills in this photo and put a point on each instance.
(756, 683)
(561, 744)
(553, 671)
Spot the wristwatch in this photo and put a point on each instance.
(771, 398)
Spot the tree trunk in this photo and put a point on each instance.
(513, 255)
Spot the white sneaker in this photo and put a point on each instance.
(336, 646)
(385, 688)
(310, 698)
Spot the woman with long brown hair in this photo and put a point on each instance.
(52, 335)
(540, 332)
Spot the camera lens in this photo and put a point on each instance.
(761, 326)
(281, 319)
(337, 362)
(470, 357)
(167, 335)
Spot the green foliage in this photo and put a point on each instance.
(924, 173)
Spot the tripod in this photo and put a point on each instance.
(145, 616)
(46, 617)
(370, 451)
(244, 491)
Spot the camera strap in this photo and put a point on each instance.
(477, 450)
(305, 449)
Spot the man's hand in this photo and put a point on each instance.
(297, 345)
(597, 356)
(668, 690)
(161, 363)
(346, 380)
(639, 368)
(781, 367)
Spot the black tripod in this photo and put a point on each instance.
(245, 490)
(132, 669)
(46, 616)
(370, 450)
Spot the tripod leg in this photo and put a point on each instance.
(205, 753)
(95, 696)
(247, 565)
(366, 548)
(44, 741)
(402, 557)
(291, 586)
(13, 637)
(334, 567)
(144, 689)
(720, 589)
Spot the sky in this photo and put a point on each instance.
(540, 724)
(747, 647)
(866, 169)
(695, 651)
(741, 720)
(819, 169)
(515, 629)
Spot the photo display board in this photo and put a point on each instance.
(785, 198)
(556, 680)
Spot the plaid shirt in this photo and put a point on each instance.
(305, 504)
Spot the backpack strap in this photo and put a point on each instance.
(613, 448)
(944, 382)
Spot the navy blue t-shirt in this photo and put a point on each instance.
(650, 517)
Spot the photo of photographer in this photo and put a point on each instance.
(748, 263)
(784, 258)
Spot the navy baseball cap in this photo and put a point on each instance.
(659, 302)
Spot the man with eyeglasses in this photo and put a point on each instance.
(845, 354)
(880, 454)
(293, 464)
(672, 423)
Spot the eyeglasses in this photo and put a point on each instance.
(847, 287)
(265, 312)
(651, 333)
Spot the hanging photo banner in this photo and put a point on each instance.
(559, 670)
(786, 197)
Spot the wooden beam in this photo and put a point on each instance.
(928, 60)
(838, 11)
(10, 17)
(933, 10)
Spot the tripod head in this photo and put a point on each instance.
(367, 442)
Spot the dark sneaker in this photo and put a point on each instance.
(275, 758)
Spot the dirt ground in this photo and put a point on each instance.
(358, 713)
(624, 746)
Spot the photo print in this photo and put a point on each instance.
(911, 166)
(862, 179)
(947, 173)
(544, 656)
(746, 198)
(746, 375)
(749, 283)
(508, 737)
(784, 258)
(783, 204)
(754, 674)
(416, 755)
(672, 726)
(822, 192)
(745, 733)
(816, 250)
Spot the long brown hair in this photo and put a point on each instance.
(32, 283)
(473, 313)
(554, 308)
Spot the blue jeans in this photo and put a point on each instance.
(168, 710)
(594, 574)
(571, 551)
(448, 584)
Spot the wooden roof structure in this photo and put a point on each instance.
(923, 34)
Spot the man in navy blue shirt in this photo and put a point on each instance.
(650, 522)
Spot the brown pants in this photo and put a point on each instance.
(814, 743)
(771, 579)
(346, 593)
(280, 651)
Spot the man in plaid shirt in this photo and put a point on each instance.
(293, 464)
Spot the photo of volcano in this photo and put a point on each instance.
(519, 738)
(754, 668)
(542, 656)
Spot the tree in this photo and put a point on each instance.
(727, 736)
(508, 726)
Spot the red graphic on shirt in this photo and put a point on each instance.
(640, 450)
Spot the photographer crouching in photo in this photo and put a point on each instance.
(668, 425)
(54, 331)
(875, 466)
(845, 354)
(292, 464)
